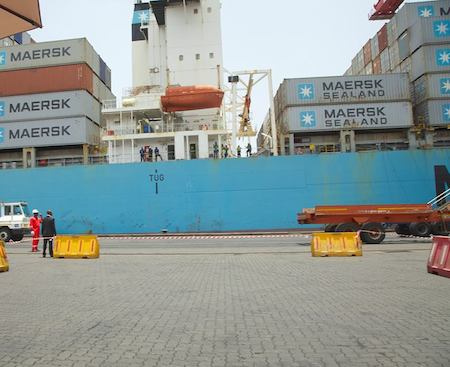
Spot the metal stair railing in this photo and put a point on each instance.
(440, 202)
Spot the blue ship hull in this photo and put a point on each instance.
(221, 195)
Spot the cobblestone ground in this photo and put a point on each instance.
(225, 308)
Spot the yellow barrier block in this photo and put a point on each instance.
(4, 264)
(76, 247)
(336, 244)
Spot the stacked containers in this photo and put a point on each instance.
(360, 103)
(51, 93)
(418, 42)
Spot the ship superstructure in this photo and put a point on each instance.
(175, 44)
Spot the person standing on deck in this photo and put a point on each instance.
(48, 232)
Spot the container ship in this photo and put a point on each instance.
(154, 159)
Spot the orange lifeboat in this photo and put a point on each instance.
(197, 97)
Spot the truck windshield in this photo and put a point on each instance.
(25, 209)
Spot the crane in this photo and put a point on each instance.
(385, 9)
(246, 128)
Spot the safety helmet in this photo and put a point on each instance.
(35, 211)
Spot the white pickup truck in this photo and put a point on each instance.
(14, 221)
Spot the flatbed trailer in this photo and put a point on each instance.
(370, 220)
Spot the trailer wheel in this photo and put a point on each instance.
(347, 227)
(374, 233)
(5, 234)
(420, 229)
(402, 229)
(330, 228)
(438, 229)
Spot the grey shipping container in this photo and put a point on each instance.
(65, 52)
(392, 31)
(431, 86)
(430, 59)
(410, 13)
(53, 132)
(375, 48)
(404, 50)
(385, 61)
(364, 116)
(427, 31)
(433, 113)
(49, 105)
(344, 89)
(394, 56)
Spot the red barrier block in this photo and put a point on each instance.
(439, 260)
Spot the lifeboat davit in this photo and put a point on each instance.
(197, 97)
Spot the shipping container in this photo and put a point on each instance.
(430, 59)
(385, 61)
(375, 48)
(340, 89)
(363, 116)
(403, 46)
(410, 13)
(49, 105)
(368, 69)
(394, 55)
(43, 54)
(433, 113)
(405, 66)
(349, 71)
(377, 65)
(431, 86)
(392, 31)
(51, 132)
(428, 31)
(382, 38)
(367, 49)
(53, 79)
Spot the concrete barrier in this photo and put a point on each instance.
(336, 244)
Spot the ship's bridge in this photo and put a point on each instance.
(159, 8)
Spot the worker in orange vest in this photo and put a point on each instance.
(35, 225)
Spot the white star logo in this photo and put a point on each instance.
(143, 17)
(2, 58)
(442, 28)
(1, 108)
(308, 119)
(444, 57)
(306, 91)
(447, 112)
(446, 85)
(426, 13)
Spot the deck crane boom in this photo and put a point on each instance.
(246, 128)
(385, 9)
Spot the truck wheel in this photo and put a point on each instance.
(330, 228)
(5, 234)
(374, 234)
(420, 229)
(347, 227)
(17, 237)
(402, 229)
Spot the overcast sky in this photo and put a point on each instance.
(295, 38)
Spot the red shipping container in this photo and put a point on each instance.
(46, 80)
(439, 260)
(367, 53)
(377, 65)
(382, 38)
